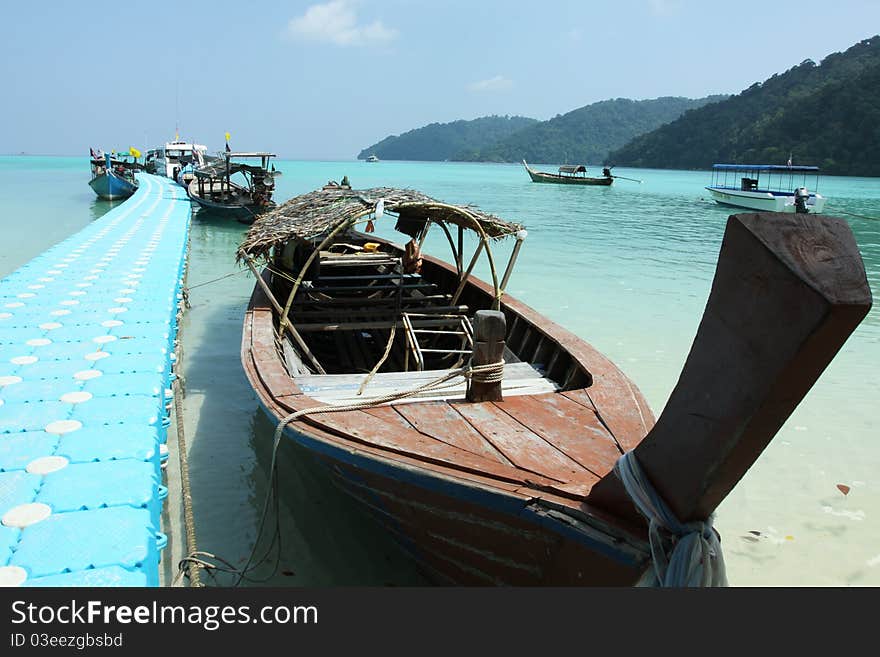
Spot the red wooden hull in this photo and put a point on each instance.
(464, 518)
(489, 540)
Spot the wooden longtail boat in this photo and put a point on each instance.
(213, 187)
(520, 481)
(569, 174)
(113, 177)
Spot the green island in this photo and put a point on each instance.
(586, 134)
(826, 114)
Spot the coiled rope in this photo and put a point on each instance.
(492, 373)
(684, 554)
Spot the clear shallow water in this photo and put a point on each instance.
(627, 267)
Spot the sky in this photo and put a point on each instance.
(320, 80)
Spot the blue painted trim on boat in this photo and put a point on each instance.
(755, 191)
(494, 501)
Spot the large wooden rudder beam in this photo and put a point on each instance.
(788, 291)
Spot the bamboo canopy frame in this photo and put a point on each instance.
(310, 215)
(333, 210)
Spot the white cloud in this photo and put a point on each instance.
(336, 22)
(498, 83)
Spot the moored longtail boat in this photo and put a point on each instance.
(569, 174)
(214, 187)
(490, 440)
(113, 177)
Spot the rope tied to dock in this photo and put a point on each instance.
(684, 554)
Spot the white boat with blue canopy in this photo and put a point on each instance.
(767, 187)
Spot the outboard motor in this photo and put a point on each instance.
(800, 200)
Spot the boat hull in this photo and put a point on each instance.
(245, 212)
(763, 201)
(558, 179)
(110, 187)
(540, 177)
(465, 526)
(463, 534)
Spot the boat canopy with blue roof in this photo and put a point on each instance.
(767, 187)
(780, 168)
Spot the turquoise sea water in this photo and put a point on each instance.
(627, 267)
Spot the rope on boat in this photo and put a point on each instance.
(684, 554)
(375, 369)
(492, 372)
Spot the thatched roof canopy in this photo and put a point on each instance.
(311, 215)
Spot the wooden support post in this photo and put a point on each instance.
(459, 256)
(490, 329)
(467, 274)
(289, 327)
(424, 234)
(520, 238)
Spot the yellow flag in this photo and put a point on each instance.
(134, 151)
(227, 136)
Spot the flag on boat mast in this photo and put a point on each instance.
(227, 143)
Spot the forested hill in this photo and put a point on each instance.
(442, 141)
(584, 135)
(587, 134)
(826, 115)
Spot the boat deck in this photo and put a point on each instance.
(546, 434)
(87, 333)
(538, 437)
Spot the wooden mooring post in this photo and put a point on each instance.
(490, 329)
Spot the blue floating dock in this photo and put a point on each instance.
(87, 337)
